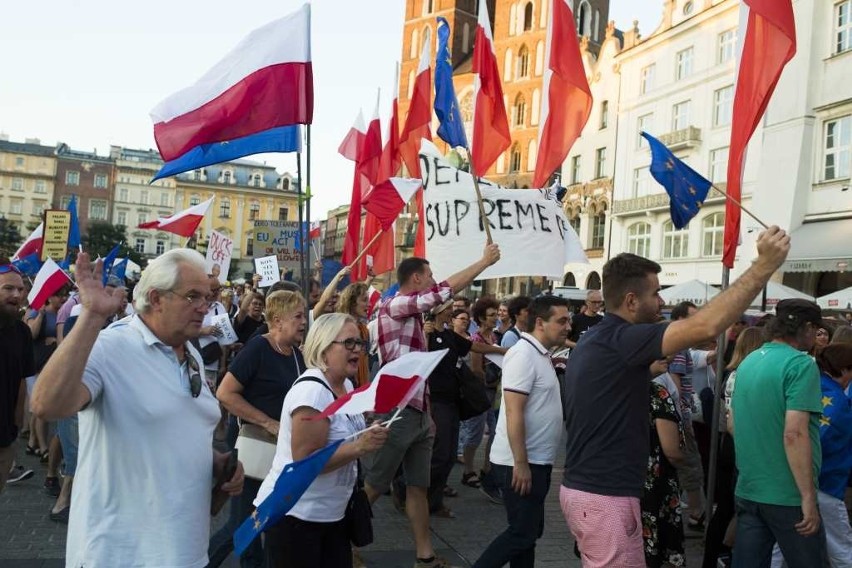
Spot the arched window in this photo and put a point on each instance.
(256, 180)
(507, 66)
(574, 221)
(428, 7)
(535, 111)
(584, 18)
(593, 282)
(528, 17)
(712, 234)
(523, 62)
(519, 110)
(285, 184)
(542, 13)
(531, 155)
(227, 177)
(414, 48)
(466, 38)
(513, 15)
(598, 229)
(254, 211)
(675, 242)
(225, 208)
(194, 200)
(515, 160)
(501, 163)
(596, 30)
(539, 58)
(410, 84)
(639, 239)
(569, 280)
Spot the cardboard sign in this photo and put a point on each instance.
(228, 336)
(281, 240)
(57, 228)
(218, 261)
(267, 267)
(529, 225)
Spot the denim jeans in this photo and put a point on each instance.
(516, 545)
(760, 526)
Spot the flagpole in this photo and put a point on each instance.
(306, 257)
(740, 205)
(366, 248)
(302, 278)
(482, 218)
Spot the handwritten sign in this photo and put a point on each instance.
(228, 336)
(57, 228)
(534, 236)
(219, 250)
(279, 239)
(267, 267)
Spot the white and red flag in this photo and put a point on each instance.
(567, 98)
(391, 160)
(32, 244)
(394, 385)
(183, 223)
(770, 42)
(265, 82)
(315, 230)
(47, 282)
(387, 200)
(354, 139)
(490, 126)
(373, 297)
(419, 116)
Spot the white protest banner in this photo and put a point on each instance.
(267, 267)
(218, 261)
(228, 336)
(534, 236)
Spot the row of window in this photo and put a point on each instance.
(722, 109)
(97, 207)
(72, 177)
(726, 43)
(16, 207)
(141, 246)
(18, 184)
(676, 242)
(227, 177)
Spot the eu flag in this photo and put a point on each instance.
(74, 233)
(451, 129)
(119, 269)
(289, 488)
(109, 261)
(29, 265)
(687, 189)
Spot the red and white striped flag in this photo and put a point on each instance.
(48, 280)
(387, 200)
(373, 297)
(32, 244)
(183, 223)
(394, 385)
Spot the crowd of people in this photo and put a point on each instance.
(138, 406)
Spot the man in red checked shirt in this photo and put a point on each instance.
(400, 323)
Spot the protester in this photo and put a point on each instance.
(518, 309)
(733, 333)
(327, 302)
(842, 334)
(17, 362)
(823, 336)
(588, 317)
(313, 533)
(139, 426)
(503, 321)
(461, 302)
(527, 435)
(607, 395)
(410, 440)
(227, 299)
(250, 316)
(775, 412)
(353, 301)
(212, 353)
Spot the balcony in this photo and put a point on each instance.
(654, 202)
(682, 139)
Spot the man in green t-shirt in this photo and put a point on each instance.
(775, 411)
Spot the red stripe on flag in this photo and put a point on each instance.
(51, 285)
(184, 226)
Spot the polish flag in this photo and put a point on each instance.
(354, 139)
(568, 99)
(316, 229)
(490, 126)
(32, 244)
(352, 239)
(183, 223)
(394, 385)
(391, 160)
(373, 297)
(265, 82)
(371, 152)
(387, 200)
(47, 282)
(419, 112)
(770, 42)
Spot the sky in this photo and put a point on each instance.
(87, 73)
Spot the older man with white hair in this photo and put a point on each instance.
(142, 493)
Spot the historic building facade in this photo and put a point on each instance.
(27, 178)
(88, 176)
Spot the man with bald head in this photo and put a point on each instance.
(588, 317)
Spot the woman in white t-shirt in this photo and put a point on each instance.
(313, 534)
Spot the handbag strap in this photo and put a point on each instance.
(314, 380)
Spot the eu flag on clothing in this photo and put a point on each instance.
(687, 189)
(289, 488)
(451, 127)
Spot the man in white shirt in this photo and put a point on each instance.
(528, 432)
(210, 334)
(142, 491)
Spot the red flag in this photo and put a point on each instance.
(391, 159)
(32, 245)
(356, 135)
(770, 42)
(354, 139)
(373, 297)
(490, 126)
(387, 200)
(419, 113)
(183, 223)
(568, 100)
(48, 281)
(371, 152)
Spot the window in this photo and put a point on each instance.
(143, 197)
(256, 180)
(72, 178)
(196, 175)
(604, 114)
(575, 169)
(523, 62)
(584, 19)
(639, 239)
(520, 111)
(712, 234)
(285, 184)
(575, 223)
(539, 58)
(414, 48)
(675, 242)
(641, 182)
(507, 66)
(194, 200)
(600, 163)
(598, 230)
(723, 100)
(283, 213)
(19, 161)
(98, 210)
(501, 163)
(225, 208)
(528, 17)
(532, 153)
(17, 184)
(141, 218)
(16, 206)
(536, 106)
(38, 208)
(843, 29)
(727, 44)
(64, 202)
(164, 199)
(466, 38)
(39, 186)
(254, 211)
(680, 116)
(688, 8)
(428, 6)
(140, 246)
(646, 80)
(646, 124)
(515, 160)
(838, 148)
(513, 15)
(683, 64)
(719, 165)
(249, 246)
(100, 181)
(161, 247)
(410, 83)
(227, 176)
(121, 218)
(123, 194)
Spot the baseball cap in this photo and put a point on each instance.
(798, 311)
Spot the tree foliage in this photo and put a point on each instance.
(102, 236)
(10, 238)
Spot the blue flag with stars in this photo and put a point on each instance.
(687, 189)
(451, 128)
(29, 265)
(74, 233)
(289, 488)
(109, 261)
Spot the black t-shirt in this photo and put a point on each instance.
(266, 375)
(444, 381)
(246, 328)
(16, 363)
(581, 323)
(606, 410)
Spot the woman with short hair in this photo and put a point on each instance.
(353, 301)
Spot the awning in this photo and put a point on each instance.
(824, 246)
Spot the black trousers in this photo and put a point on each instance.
(293, 543)
(726, 481)
(445, 415)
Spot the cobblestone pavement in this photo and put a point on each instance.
(29, 539)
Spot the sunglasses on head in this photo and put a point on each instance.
(194, 375)
(6, 268)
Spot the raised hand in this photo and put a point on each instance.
(773, 244)
(491, 254)
(94, 296)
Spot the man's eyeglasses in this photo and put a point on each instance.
(194, 300)
(6, 268)
(194, 375)
(352, 344)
